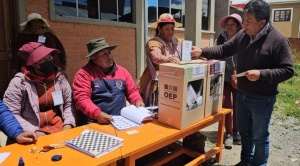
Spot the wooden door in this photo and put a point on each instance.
(7, 28)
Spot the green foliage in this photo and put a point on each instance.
(296, 56)
(288, 95)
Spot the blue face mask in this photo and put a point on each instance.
(47, 67)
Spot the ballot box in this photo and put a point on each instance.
(214, 87)
(182, 90)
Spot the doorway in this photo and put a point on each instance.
(8, 32)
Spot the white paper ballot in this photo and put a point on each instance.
(3, 156)
(186, 50)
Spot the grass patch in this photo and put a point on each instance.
(290, 93)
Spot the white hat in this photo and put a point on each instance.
(35, 16)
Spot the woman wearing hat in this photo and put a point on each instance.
(37, 29)
(163, 48)
(40, 96)
(231, 25)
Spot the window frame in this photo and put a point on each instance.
(71, 19)
(282, 9)
(210, 2)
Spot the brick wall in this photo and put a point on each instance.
(295, 43)
(74, 37)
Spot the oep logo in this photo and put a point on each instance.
(171, 96)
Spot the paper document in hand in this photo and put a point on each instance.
(131, 116)
(239, 74)
(94, 143)
(186, 50)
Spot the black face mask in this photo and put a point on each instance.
(47, 67)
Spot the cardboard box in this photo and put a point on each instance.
(181, 94)
(214, 87)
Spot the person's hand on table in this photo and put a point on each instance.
(39, 134)
(26, 137)
(139, 104)
(67, 127)
(104, 118)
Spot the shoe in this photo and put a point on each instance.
(237, 139)
(228, 141)
(241, 164)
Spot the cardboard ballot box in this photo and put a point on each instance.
(181, 94)
(214, 87)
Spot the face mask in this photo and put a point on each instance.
(47, 67)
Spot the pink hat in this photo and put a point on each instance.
(32, 52)
(165, 17)
(237, 17)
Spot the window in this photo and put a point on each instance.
(205, 14)
(282, 15)
(158, 7)
(111, 10)
(177, 9)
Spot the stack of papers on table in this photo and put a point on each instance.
(94, 143)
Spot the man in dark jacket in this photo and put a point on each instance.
(11, 127)
(264, 60)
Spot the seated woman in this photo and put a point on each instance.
(39, 96)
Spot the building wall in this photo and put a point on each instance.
(220, 12)
(284, 27)
(289, 29)
(296, 21)
(74, 37)
(295, 43)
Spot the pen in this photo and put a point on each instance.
(21, 162)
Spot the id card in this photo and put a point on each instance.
(186, 50)
(57, 97)
(42, 39)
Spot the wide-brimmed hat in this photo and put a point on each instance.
(35, 16)
(97, 45)
(237, 17)
(32, 52)
(166, 17)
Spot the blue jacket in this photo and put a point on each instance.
(8, 123)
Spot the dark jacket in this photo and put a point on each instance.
(271, 54)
